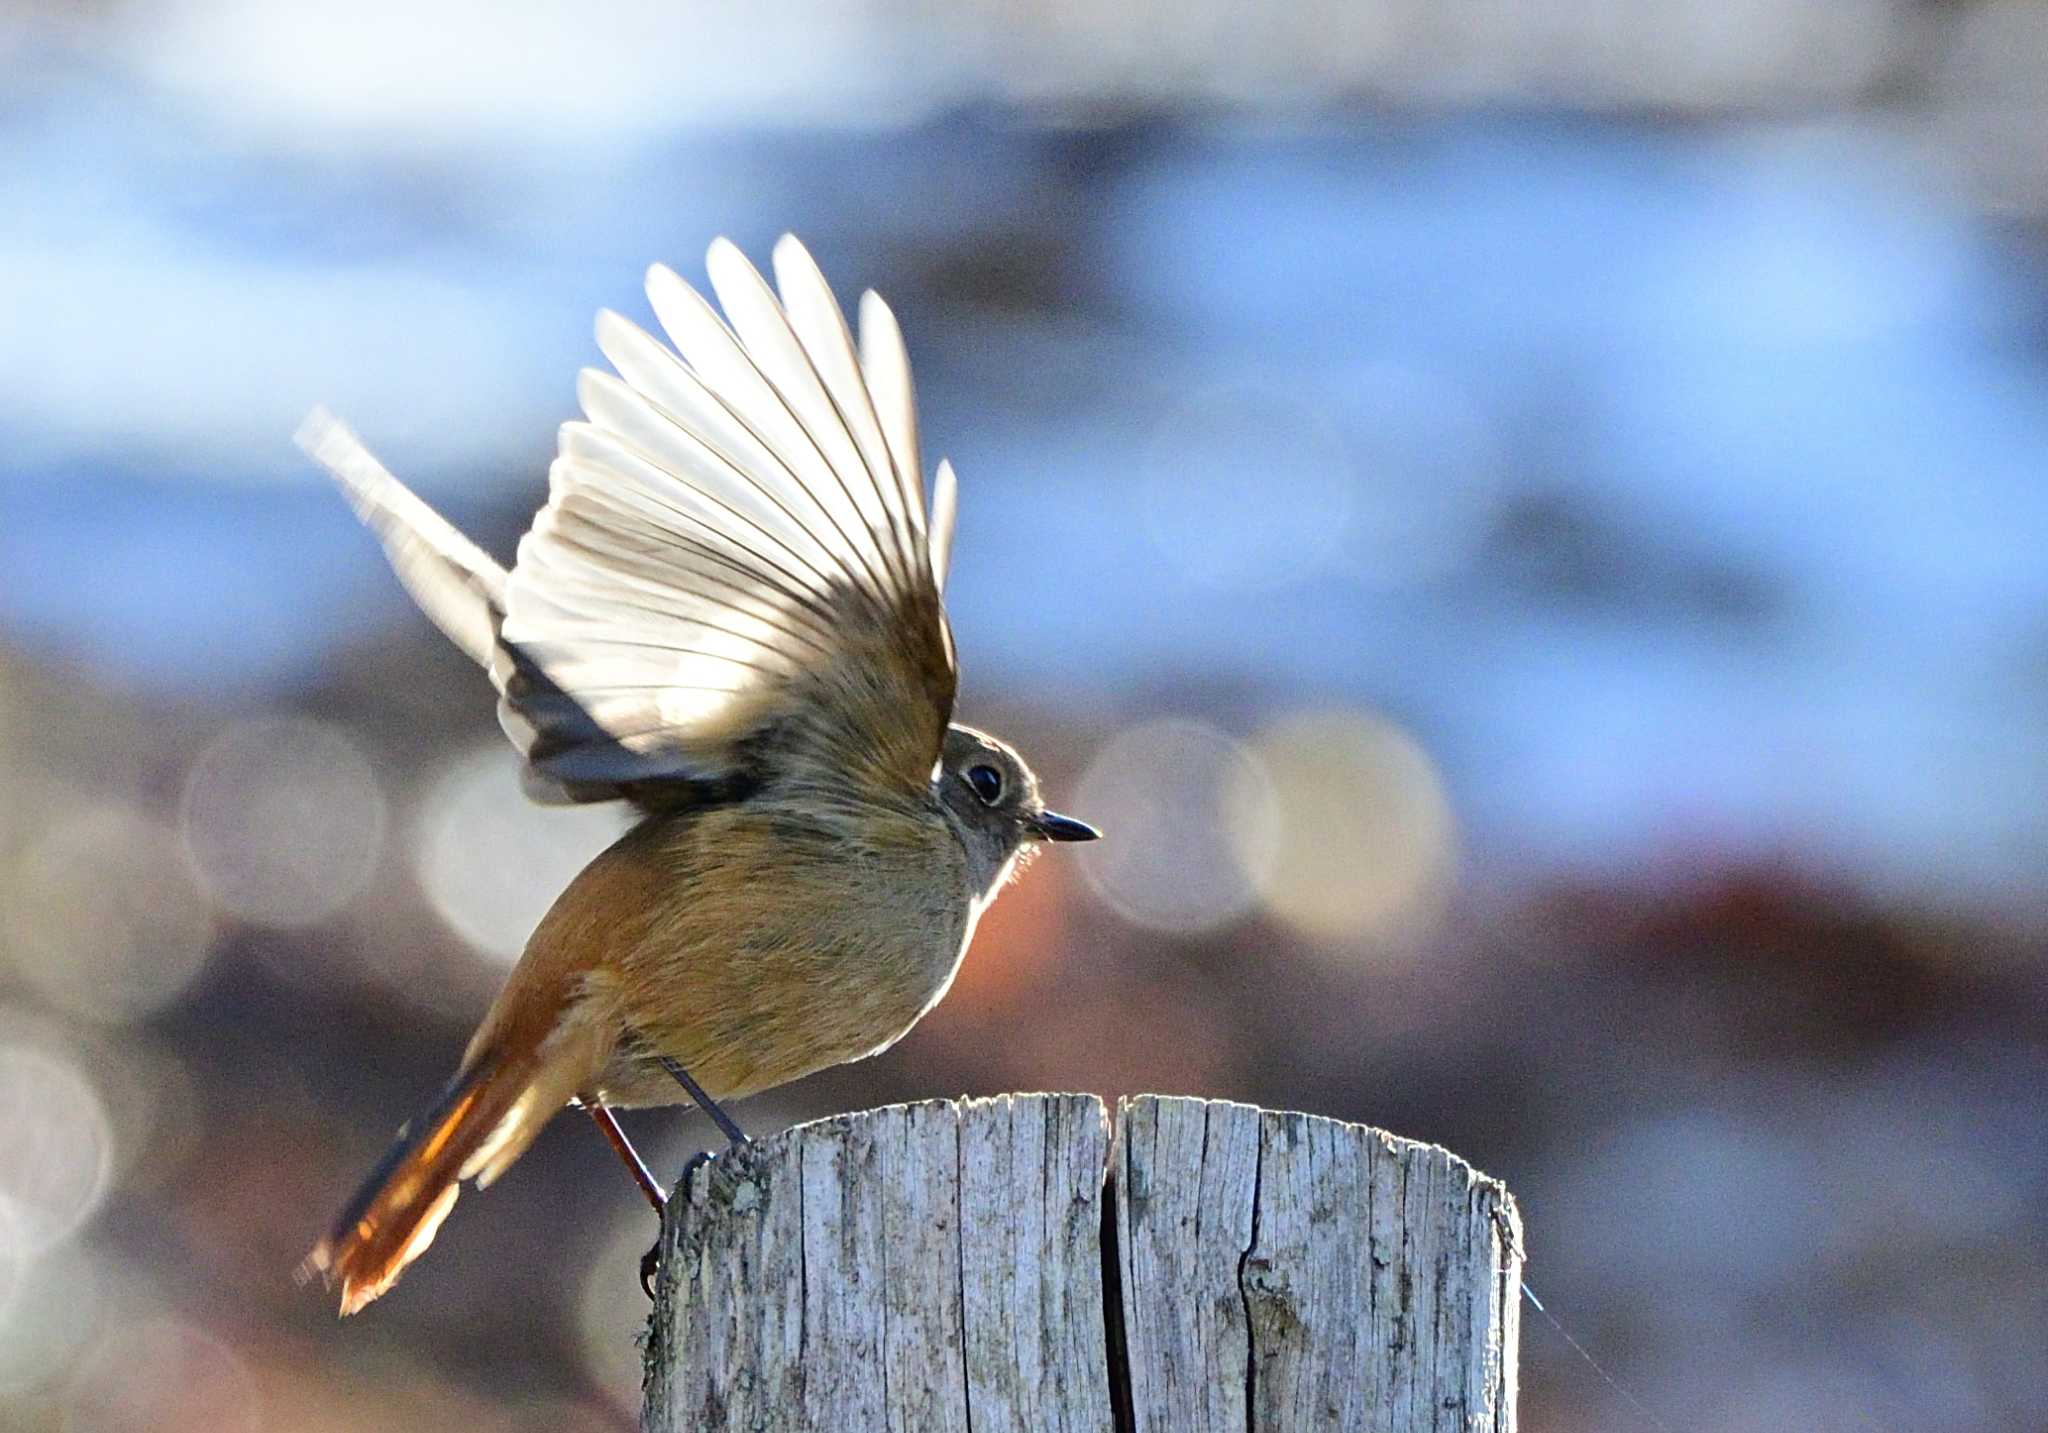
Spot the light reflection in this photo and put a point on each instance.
(102, 918)
(1191, 824)
(283, 820)
(58, 1303)
(491, 861)
(55, 1146)
(1366, 844)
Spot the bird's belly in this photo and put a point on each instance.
(774, 1010)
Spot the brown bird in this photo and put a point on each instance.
(728, 614)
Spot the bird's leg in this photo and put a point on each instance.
(733, 1133)
(650, 1262)
(615, 1136)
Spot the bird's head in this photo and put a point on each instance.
(993, 799)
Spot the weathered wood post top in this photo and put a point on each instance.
(1009, 1264)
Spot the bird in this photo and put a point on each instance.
(729, 616)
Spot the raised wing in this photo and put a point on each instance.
(734, 574)
(454, 581)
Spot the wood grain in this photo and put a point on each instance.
(931, 1266)
(941, 1266)
(1186, 1180)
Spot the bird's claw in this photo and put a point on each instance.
(650, 1262)
(650, 1265)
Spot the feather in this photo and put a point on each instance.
(454, 581)
(774, 350)
(735, 543)
(945, 501)
(735, 539)
(815, 318)
(730, 374)
(885, 364)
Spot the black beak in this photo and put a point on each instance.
(1051, 826)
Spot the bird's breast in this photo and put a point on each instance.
(781, 944)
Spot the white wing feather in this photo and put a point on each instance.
(728, 372)
(820, 327)
(454, 581)
(885, 363)
(734, 519)
(730, 516)
(945, 503)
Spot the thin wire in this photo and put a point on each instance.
(1592, 1363)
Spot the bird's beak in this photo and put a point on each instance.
(1051, 826)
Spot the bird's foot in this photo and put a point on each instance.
(650, 1265)
(650, 1262)
(696, 1162)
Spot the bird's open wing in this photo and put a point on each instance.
(734, 571)
(454, 581)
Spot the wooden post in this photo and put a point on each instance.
(1005, 1264)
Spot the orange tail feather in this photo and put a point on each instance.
(395, 1213)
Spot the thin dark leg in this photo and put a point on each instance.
(628, 1156)
(704, 1102)
(615, 1136)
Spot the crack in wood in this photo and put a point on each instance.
(1244, 1294)
(1202, 1266)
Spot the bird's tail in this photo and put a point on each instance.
(483, 1121)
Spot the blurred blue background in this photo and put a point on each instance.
(1527, 527)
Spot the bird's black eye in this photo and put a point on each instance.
(987, 783)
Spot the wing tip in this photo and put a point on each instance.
(324, 438)
(722, 250)
(335, 447)
(319, 420)
(945, 508)
(660, 276)
(874, 308)
(319, 1264)
(790, 249)
(591, 383)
